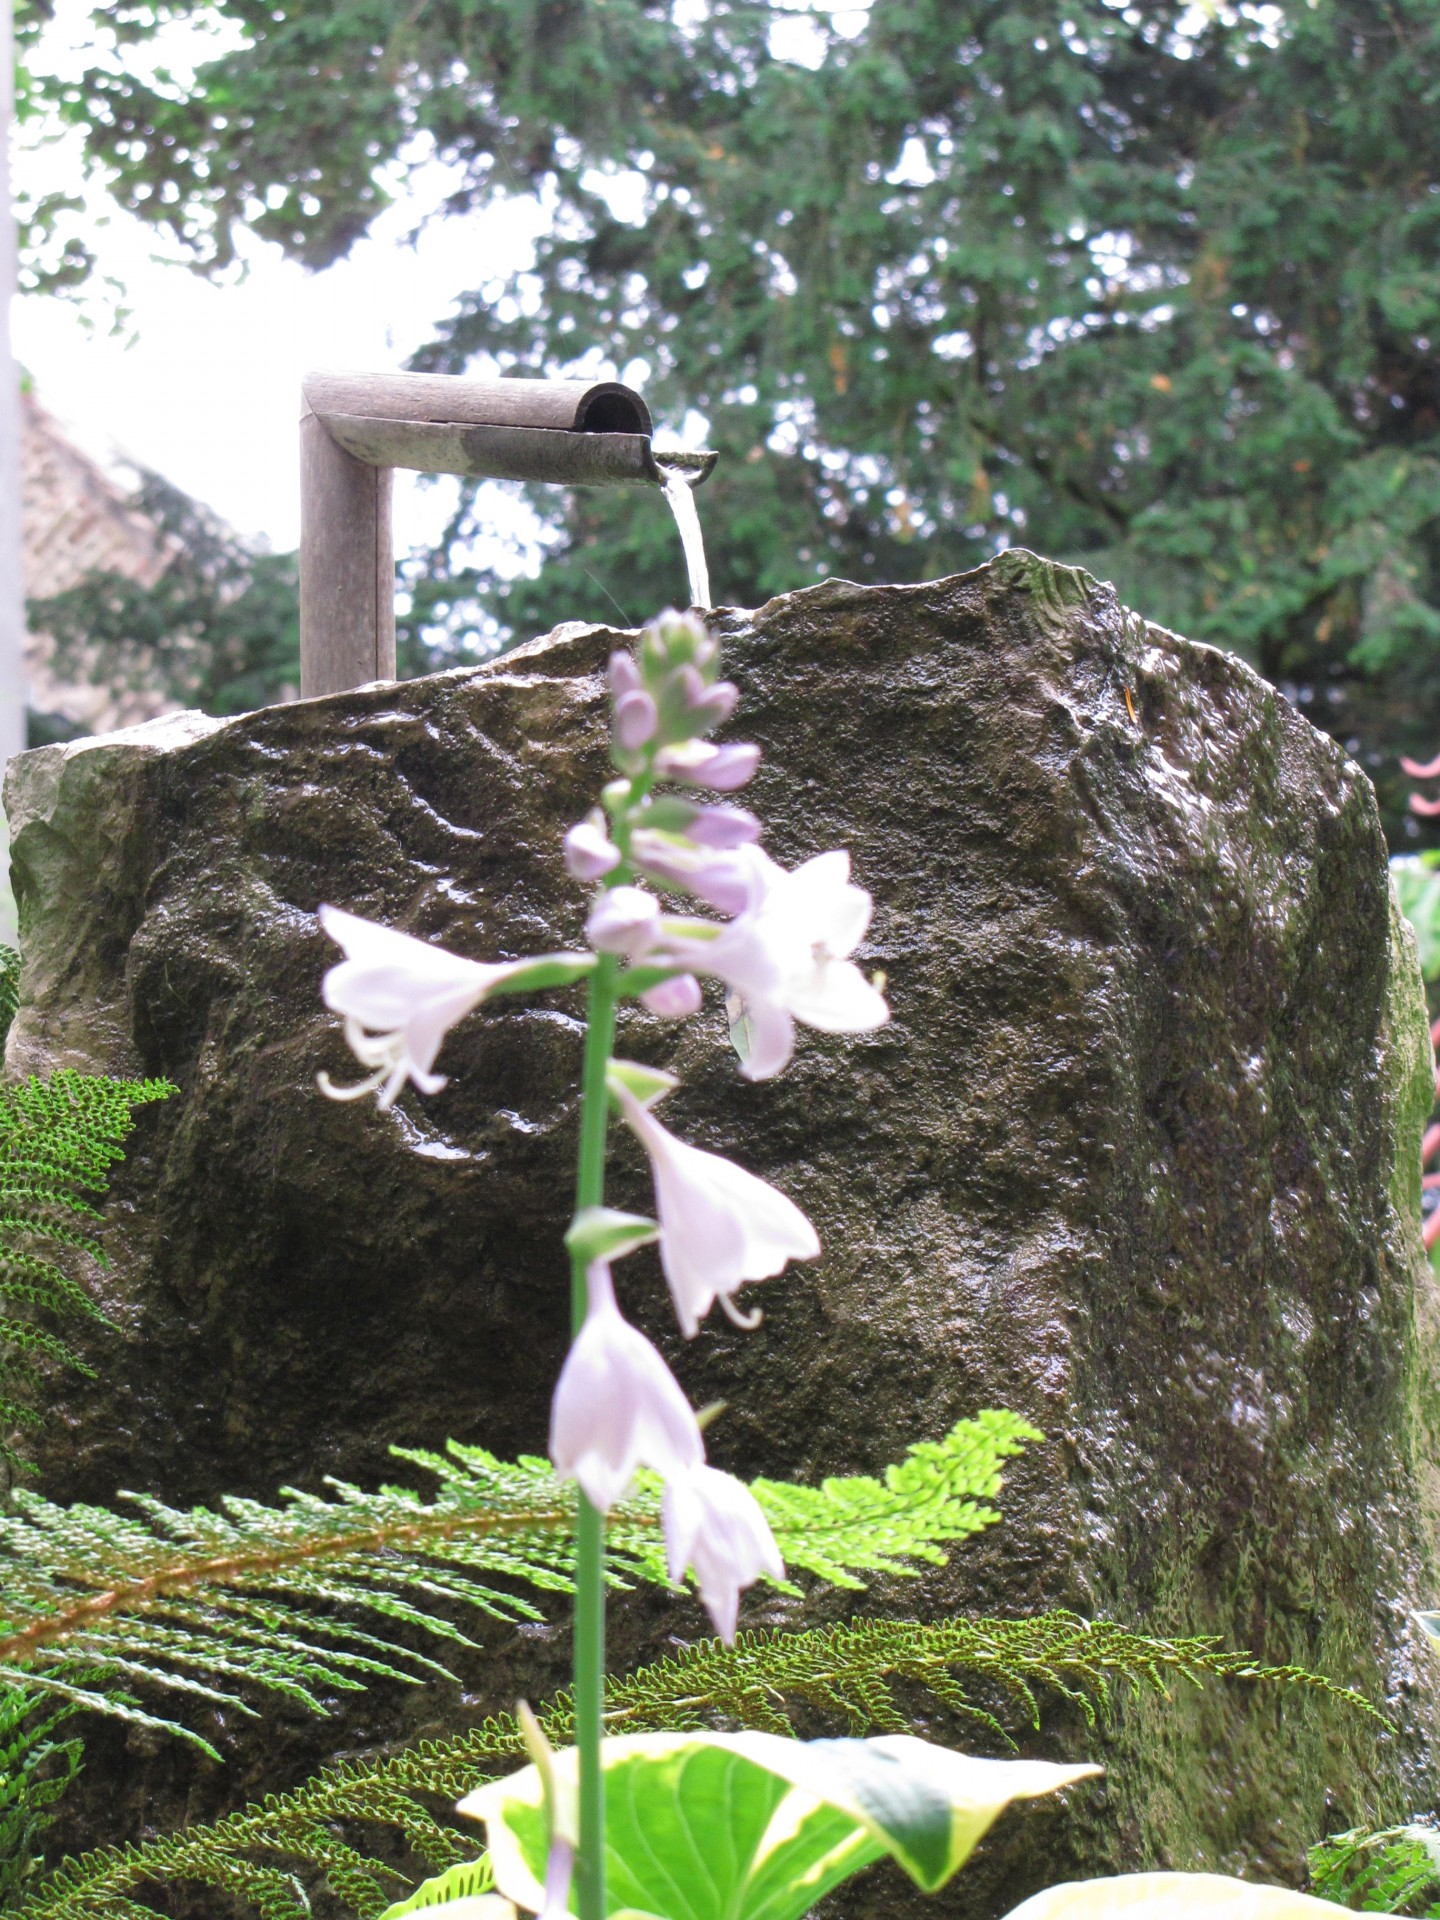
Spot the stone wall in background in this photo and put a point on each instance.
(1138, 1158)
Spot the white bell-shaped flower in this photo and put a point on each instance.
(719, 1225)
(400, 996)
(617, 1406)
(714, 1525)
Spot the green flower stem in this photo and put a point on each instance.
(590, 1538)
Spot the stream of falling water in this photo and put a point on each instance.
(680, 492)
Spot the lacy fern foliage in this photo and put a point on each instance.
(858, 1676)
(35, 1769)
(1390, 1870)
(58, 1140)
(94, 1603)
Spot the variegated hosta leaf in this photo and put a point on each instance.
(721, 1826)
(467, 1892)
(1170, 1896)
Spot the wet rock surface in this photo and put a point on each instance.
(1137, 1158)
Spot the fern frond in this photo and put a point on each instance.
(852, 1675)
(1390, 1870)
(35, 1769)
(9, 989)
(245, 1595)
(58, 1140)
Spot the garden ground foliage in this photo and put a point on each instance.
(338, 1829)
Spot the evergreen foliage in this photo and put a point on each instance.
(93, 1603)
(1153, 287)
(858, 1676)
(58, 1140)
(1392, 1870)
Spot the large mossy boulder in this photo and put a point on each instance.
(1137, 1157)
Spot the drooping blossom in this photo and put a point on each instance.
(617, 1405)
(719, 1225)
(400, 996)
(714, 1525)
(787, 956)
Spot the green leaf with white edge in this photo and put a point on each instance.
(1169, 1896)
(468, 1891)
(602, 1233)
(646, 1084)
(730, 1826)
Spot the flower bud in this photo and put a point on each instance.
(674, 999)
(675, 640)
(723, 827)
(719, 876)
(625, 920)
(589, 852)
(719, 703)
(635, 720)
(624, 675)
(699, 764)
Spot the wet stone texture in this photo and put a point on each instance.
(1137, 1158)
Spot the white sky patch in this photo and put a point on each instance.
(203, 384)
(913, 168)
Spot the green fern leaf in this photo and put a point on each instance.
(219, 1601)
(35, 1769)
(1390, 1870)
(867, 1674)
(9, 990)
(58, 1140)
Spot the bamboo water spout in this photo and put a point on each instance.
(357, 427)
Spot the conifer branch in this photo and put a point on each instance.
(859, 1676)
(209, 1600)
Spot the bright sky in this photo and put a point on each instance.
(202, 383)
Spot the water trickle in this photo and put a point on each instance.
(680, 483)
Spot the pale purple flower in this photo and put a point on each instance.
(399, 997)
(699, 764)
(623, 920)
(589, 852)
(617, 1406)
(559, 1871)
(635, 720)
(674, 999)
(719, 1225)
(714, 1525)
(787, 957)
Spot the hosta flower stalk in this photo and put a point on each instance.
(787, 952)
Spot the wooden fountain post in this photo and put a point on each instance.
(356, 428)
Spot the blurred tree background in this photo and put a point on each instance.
(1152, 287)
